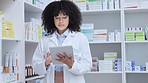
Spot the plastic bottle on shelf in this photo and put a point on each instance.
(146, 32)
(26, 71)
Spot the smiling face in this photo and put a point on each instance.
(61, 22)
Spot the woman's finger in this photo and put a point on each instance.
(59, 56)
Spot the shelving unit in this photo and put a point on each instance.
(103, 72)
(31, 11)
(16, 44)
(136, 50)
(32, 8)
(32, 78)
(110, 20)
(136, 78)
(18, 12)
(105, 42)
(127, 50)
(116, 19)
(104, 77)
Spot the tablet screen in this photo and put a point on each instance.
(61, 49)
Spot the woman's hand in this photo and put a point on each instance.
(48, 59)
(68, 60)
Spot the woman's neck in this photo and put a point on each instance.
(61, 31)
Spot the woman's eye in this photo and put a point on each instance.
(56, 17)
(65, 17)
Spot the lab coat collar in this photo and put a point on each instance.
(54, 39)
(64, 34)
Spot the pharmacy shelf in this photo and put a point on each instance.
(93, 11)
(136, 41)
(101, 42)
(136, 72)
(30, 41)
(111, 72)
(36, 77)
(103, 78)
(10, 39)
(136, 50)
(111, 20)
(16, 82)
(90, 12)
(32, 8)
(136, 10)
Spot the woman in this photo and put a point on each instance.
(62, 20)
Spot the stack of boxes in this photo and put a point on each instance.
(118, 64)
(97, 4)
(130, 66)
(139, 68)
(117, 35)
(136, 4)
(94, 64)
(105, 65)
(110, 56)
(114, 36)
(130, 36)
(33, 30)
(134, 34)
(110, 4)
(111, 36)
(37, 3)
(81, 4)
(10, 71)
(100, 35)
(94, 4)
(110, 62)
(87, 29)
(7, 27)
(140, 36)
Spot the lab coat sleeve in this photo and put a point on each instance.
(85, 63)
(38, 61)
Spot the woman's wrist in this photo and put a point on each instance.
(70, 64)
(46, 64)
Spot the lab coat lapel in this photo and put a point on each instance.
(54, 39)
(69, 39)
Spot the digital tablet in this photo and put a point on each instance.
(61, 49)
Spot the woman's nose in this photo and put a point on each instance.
(60, 20)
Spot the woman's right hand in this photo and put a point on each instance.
(48, 59)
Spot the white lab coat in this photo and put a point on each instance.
(82, 58)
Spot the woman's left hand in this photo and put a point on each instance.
(68, 60)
